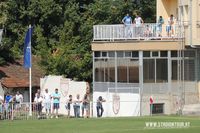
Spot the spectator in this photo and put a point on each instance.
(38, 102)
(8, 100)
(85, 105)
(99, 106)
(76, 106)
(19, 100)
(138, 21)
(127, 21)
(148, 31)
(170, 26)
(47, 102)
(1, 107)
(56, 102)
(68, 105)
(159, 24)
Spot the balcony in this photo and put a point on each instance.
(148, 31)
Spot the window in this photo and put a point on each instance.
(120, 54)
(97, 54)
(149, 70)
(135, 54)
(163, 53)
(174, 54)
(146, 54)
(104, 54)
(161, 70)
(111, 54)
(155, 54)
(127, 54)
(158, 108)
(122, 70)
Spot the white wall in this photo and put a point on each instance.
(129, 104)
(65, 88)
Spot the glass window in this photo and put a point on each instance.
(163, 53)
(97, 54)
(149, 70)
(189, 53)
(120, 54)
(104, 54)
(174, 70)
(161, 70)
(127, 54)
(99, 70)
(135, 54)
(111, 54)
(189, 70)
(174, 54)
(110, 71)
(154, 53)
(146, 53)
(121, 70)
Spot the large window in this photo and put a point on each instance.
(149, 70)
(161, 70)
(155, 70)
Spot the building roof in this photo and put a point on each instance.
(14, 75)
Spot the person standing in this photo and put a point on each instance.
(170, 26)
(68, 105)
(127, 21)
(1, 107)
(76, 106)
(138, 21)
(86, 105)
(19, 100)
(38, 102)
(159, 24)
(47, 102)
(99, 106)
(56, 102)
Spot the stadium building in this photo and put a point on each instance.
(131, 66)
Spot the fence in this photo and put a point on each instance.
(146, 31)
(13, 111)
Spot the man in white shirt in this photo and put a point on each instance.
(19, 100)
(38, 102)
(47, 102)
(77, 104)
(138, 21)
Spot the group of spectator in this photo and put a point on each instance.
(11, 102)
(146, 31)
(45, 100)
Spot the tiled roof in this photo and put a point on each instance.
(14, 75)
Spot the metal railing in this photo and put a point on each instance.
(146, 31)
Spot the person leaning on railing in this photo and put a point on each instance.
(127, 21)
(160, 22)
(138, 21)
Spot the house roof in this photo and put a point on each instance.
(14, 75)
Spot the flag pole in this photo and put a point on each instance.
(30, 78)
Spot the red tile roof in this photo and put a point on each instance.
(14, 75)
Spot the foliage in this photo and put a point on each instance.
(62, 30)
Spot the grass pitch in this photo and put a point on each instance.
(102, 125)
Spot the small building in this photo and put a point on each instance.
(14, 77)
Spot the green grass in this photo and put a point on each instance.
(102, 125)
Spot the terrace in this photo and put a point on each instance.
(148, 31)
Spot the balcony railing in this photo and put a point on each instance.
(147, 31)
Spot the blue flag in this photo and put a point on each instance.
(27, 48)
